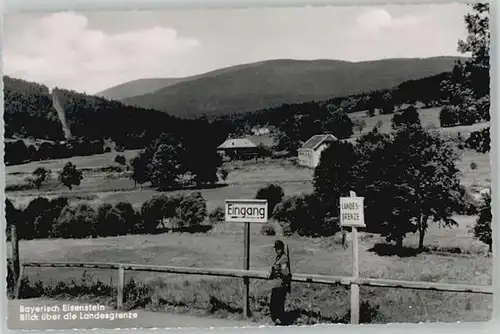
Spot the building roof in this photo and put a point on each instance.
(317, 140)
(237, 143)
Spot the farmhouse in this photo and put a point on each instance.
(310, 152)
(238, 149)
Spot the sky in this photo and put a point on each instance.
(91, 51)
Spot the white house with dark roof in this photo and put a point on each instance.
(310, 152)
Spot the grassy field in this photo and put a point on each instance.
(244, 179)
(317, 256)
(222, 247)
(429, 118)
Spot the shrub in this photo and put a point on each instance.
(267, 229)
(273, 194)
(480, 141)
(75, 222)
(305, 215)
(108, 222)
(152, 214)
(40, 175)
(217, 215)
(223, 174)
(70, 176)
(408, 117)
(467, 116)
(448, 116)
(12, 217)
(191, 211)
(120, 159)
(186, 211)
(129, 216)
(482, 229)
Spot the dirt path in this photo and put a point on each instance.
(143, 318)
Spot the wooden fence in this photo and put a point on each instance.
(253, 274)
(354, 281)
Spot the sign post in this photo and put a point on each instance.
(352, 215)
(246, 211)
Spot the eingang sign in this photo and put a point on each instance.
(246, 211)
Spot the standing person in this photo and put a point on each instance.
(281, 276)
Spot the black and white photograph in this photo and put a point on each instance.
(260, 166)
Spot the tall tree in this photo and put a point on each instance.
(70, 176)
(273, 193)
(338, 123)
(166, 168)
(482, 228)
(40, 175)
(469, 85)
(139, 166)
(335, 174)
(424, 166)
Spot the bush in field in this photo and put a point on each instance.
(75, 222)
(12, 217)
(268, 229)
(306, 216)
(40, 176)
(480, 141)
(448, 116)
(41, 213)
(273, 194)
(120, 159)
(70, 176)
(408, 117)
(139, 166)
(109, 222)
(217, 215)
(129, 216)
(191, 211)
(482, 229)
(152, 214)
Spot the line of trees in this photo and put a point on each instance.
(69, 177)
(408, 178)
(467, 90)
(29, 114)
(18, 152)
(57, 218)
(171, 162)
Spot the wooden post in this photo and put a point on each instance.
(121, 284)
(17, 291)
(246, 266)
(355, 274)
(14, 241)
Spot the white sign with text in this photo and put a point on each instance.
(246, 211)
(352, 211)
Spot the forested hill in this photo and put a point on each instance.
(29, 113)
(268, 84)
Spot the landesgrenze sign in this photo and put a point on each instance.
(352, 211)
(246, 211)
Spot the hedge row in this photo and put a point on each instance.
(17, 152)
(56, 218)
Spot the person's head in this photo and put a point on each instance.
(279, 246)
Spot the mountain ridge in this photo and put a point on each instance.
(265, 84)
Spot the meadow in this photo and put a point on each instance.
(452, 255)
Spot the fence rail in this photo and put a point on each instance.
(254, 274)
